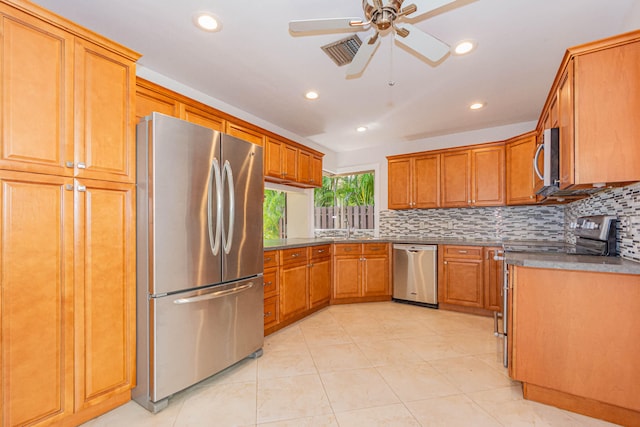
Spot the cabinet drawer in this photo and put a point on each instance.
(320, 251)
(347, 249)
(463, 252)
(293, 256)
(375, 248)
(270, 259)
(270, 280)
(270, 311)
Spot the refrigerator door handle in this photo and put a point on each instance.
(227, 175)
(214, 176)
(214, 295)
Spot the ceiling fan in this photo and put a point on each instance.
(384, 18)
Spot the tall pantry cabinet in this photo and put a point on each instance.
(67, 226)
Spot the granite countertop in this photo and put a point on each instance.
(300, 242)
(525, 259)
(603, 264)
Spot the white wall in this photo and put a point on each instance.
(632, 20)
(375, 158)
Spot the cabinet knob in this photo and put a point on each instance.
(445, 262)
(295, 255)
(267, 314)
(81, 188)
(69, 164)
(82, 165)
(268, 283)
(268, 259)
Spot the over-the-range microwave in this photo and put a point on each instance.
(550, 176)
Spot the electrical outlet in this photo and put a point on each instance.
(449, 225)
(423, 225)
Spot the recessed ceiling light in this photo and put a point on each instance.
(311, 95)
(477, 105)
(464, 47)
(361, 129)
(208, 22)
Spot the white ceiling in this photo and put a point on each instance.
(256, 65)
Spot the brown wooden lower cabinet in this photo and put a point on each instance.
(470, 279)
(575, 340)
(361, 272)
(67, 298)
(302, 278)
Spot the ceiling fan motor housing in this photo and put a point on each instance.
(382, 16)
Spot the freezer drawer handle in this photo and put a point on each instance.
(214, 295)
(228, 174)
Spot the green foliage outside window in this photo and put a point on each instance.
(274, 214)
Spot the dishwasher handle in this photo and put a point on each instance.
(415, 248)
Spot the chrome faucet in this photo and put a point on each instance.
(348, 228)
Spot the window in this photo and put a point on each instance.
(345, 200)
(274, 214)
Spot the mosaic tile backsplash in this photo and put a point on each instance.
(625, 204)
(538, 223)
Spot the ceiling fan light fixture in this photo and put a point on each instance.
(464, 47)
(361, 129)
(207, 22)
(477, 105)
(311, 95)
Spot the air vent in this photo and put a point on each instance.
(343, 51)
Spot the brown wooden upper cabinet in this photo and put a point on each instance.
(474, 177)
(245, 133)
(291, 164)
(76, 91)
(594, 102)
(280, 160)
(520, 175)
(414, 181)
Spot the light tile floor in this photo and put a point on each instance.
(375, 364)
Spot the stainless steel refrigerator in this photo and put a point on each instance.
(199, 255)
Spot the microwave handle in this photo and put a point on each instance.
(535, 161)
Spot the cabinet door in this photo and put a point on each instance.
(304, 167)
(200, 117)
(565, 123)
(37, 96)
(463, 282)
(456, 167)
(375, 276)
(487, 176)
(607, 105)
(316, 171)
(36, 299)
(493, 279)
(104, 114)
(273, 157)
(294, 297)
(319, 282)
(289, 162)
(246, 134)
(426, 181)
(346, 278)
(520, 175)
(399, 183)
(105, 290)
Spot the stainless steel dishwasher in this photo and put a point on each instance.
(415, 274)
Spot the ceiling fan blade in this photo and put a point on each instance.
(421, 42)
(426, 6)
(328, 24)
(364, 54)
